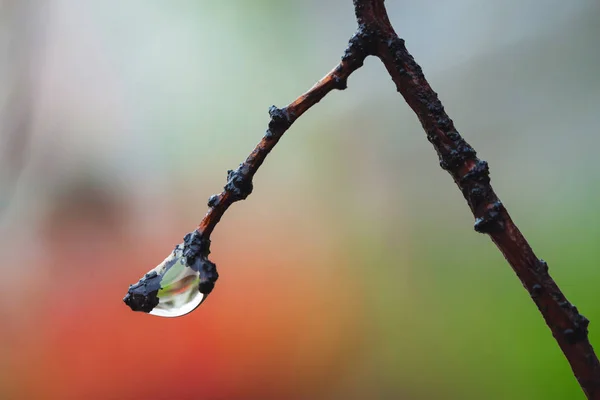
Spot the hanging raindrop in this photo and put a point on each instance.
(179, 284)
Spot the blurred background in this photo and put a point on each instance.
(352, 271)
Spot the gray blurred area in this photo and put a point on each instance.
(21, 32)
(99, 89)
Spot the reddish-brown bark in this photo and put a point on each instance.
(376, 36)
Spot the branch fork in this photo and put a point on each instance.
(376, 36)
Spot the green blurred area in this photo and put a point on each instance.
(119, 120)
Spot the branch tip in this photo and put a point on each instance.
(375, 36)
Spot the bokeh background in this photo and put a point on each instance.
(352, 271)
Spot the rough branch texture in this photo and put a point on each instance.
(471, 175)
(239, 182)
(376, 36)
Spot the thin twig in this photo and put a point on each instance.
(143, 295)
(239, 182)
(376, 36)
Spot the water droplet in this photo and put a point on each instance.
(176, 287)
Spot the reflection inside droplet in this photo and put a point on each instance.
(176, 286)
(178, 293)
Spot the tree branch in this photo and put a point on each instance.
(239, 182)
(376, 36)
(471, 175)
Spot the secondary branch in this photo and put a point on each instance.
(239, 181)
(376, 36)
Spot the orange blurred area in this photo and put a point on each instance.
(274, 322)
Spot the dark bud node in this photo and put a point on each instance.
(435, 107)
(239, 185)
(443, 122)
(536, 290)
(359, 46)
(208, 274)
(582, 321)
(194, 245)
(542, 266)
(491, 221)
(576, 335)
(280, 121)
(340, 83)
(451, 159)
(479, 172)
(478, 193)
(469, 153)
(143, 295)
(453, 135)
